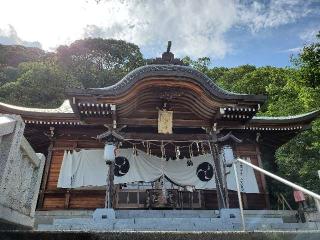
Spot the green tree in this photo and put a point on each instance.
(233, 75)
(13, 55)
(201, 64)
(97, 62)
(258, 80)
(308, 62)
(216, 73)
(8, 74)
(299, 159)
(39, 84)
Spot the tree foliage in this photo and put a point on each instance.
(39, 84)
(299, 159)
(31, 77)
(308, 62)
(13, 55)
(234, 75)
(98, 62)
(8, 74)
(201, 64)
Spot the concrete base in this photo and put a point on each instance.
(101, 214)
(15, 218)
(177, 220)
(230, 214)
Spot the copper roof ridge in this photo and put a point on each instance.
(167, 70)
(65, 107)
(304, 116)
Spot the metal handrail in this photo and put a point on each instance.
(280, 179)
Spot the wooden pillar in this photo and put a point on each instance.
(244, 200)
(218, 176)
(45, 176)
(263, 178)
(67, 199)
(110, 187)
(226, 191)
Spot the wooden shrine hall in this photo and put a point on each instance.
(165, 113)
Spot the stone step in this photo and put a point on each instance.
(259, 220)
(175, 220)
(61, 221)
(296, 226)
(129, 225)
(46, 227)
(165, 213)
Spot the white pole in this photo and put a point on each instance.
(239, 196)
(293, 185)
(317, 202)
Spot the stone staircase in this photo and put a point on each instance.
(175, 220)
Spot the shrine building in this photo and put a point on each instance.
(171, 127)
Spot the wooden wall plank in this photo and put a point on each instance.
(53, 202)
(87, 201)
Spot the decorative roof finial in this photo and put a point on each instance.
(167, 58)
(169, 46)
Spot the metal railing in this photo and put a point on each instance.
(280, 179)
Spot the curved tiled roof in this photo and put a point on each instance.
(287, 119)
(64, 108)
(167, 70)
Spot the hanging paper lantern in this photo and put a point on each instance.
(109, 153)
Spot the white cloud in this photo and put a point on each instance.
(292, 50)
(258, 15)
(9, 36)
(309, 35)
(196, 27)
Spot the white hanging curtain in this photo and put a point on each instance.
(146, 168)
(142, 167)
(247, 179)
(182, 174)
(82, 169)
(65, 174)
(88, 168)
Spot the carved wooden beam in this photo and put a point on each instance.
(111, 133)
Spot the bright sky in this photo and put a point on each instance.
(230, 32)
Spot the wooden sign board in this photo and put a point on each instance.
(165, 121)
